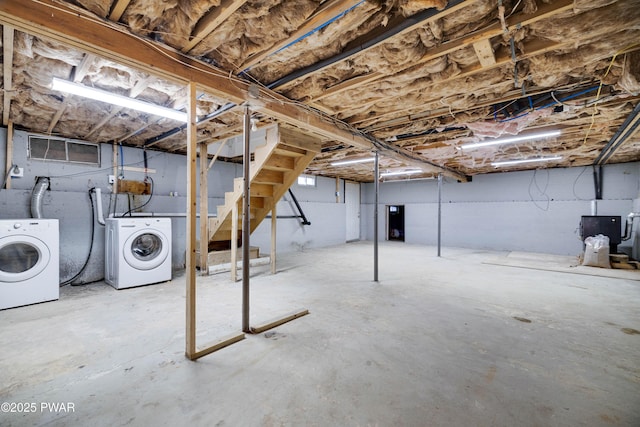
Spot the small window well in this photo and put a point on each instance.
(307, 181)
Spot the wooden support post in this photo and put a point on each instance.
(439, 210)
(9, 160)
(234, 243)
(274, 221)
(337, 189)
(191, 225)
(204, 212)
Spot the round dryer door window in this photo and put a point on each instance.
(146, 249)
(21, 258)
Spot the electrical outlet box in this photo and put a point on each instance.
(112, 179)
(17, 172)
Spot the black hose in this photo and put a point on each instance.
(86, 262)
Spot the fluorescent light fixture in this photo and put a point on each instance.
(409, 172)
(510, 140)
(517, 162)
(353, 161)
(122, 101)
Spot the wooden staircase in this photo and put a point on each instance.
(275, 167)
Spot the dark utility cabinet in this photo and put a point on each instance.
(610, 226)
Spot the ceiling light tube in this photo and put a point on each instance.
(511, 140)
(354, 161)
(409, 172)
(122, 101)
(517, 162)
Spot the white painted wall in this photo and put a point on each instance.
(525, 211)
(352, 202)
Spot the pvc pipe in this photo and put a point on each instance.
(99, 206)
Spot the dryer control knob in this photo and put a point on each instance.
(17, 225)
(147, 223)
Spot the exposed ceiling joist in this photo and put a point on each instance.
(50, 19)
(78, 74)
(118, 9)
(518, 20)
(139, 87)
(7, 69)
(211, 21)
(329, 10)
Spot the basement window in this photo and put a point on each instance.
(307, 181)
(63, 150)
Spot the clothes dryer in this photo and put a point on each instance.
(137, 251)
(29, 261)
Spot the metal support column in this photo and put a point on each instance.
(376, 181)
(439, 210)
(246, 225)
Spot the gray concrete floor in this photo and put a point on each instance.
(437, 342)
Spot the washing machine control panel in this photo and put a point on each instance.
(17, 225)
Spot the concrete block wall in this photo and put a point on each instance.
(68, 201)
(535, 211)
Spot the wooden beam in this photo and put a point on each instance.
(279, 321)
(53, 20)
(137, 89)
(204, 211)
(348, 84)
(545, 11)
(81, 70)
(7, 69)
(118, 9)
(484, 52)
(212, 20)
(327, 11)
(9, 154)
(191, 226)
(57, 115)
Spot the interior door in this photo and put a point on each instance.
(352, 202)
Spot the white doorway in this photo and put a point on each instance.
(352, 202)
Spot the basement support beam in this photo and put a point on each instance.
(9, 158)
(56, 21)
(376, 180)
(204, 211)
(7, 69)
(439, 210)
(246, 220)
(191, 224)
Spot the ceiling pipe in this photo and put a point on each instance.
(402, 26)
(226, 107)
(618, 138)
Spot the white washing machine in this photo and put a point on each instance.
(29, 261)
(137, 251)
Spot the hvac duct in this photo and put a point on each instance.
(42, 184)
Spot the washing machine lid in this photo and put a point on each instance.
(146, 249)
(22, 257)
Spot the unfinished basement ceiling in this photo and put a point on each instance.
(412, 79)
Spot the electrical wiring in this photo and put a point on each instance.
(542, 191)
(98, 171)
(142, 205)
(575, 182)
(595, 105)
(4, 181)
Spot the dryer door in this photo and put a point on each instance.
(146, 249)
(22, 257)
